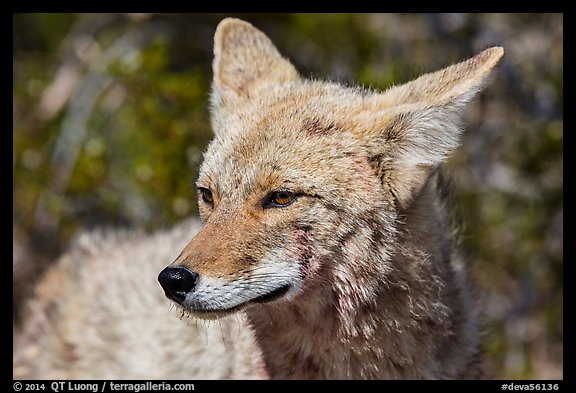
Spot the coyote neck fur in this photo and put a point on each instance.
(417, 320)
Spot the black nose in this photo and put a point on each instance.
(177, 282)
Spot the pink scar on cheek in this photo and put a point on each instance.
(300, 250)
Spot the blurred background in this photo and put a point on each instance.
(110, 121)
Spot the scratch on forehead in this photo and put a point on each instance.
(314, 126)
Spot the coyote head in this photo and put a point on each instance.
(302, 189)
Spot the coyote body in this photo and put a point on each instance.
(324, 252)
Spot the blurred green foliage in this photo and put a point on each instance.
(110, 121)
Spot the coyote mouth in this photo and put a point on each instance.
(219, 313)
(270, 296)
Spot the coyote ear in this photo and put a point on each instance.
(421, 123)
(245, 58)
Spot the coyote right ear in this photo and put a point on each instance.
(244, 59)
(419, 124)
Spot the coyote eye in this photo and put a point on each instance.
(280, 199)
(206, 196)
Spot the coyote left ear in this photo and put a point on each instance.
(417, 124)
(244, 59)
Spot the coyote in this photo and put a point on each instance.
(325, 250)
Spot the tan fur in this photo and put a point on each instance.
(374, 285)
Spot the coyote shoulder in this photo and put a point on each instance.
(324, 251)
